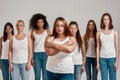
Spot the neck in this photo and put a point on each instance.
(91, 33)
(106, 28)
(20, 33)
(9, 35)
(74, 35)
(61, 36)
(40, 29)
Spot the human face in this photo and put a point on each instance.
(73, 29)
(106, 20)
(20, 26)
(59, 27)
(91, 26)
(40, 23)
(8, 29)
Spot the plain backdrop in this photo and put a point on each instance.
(72, 10)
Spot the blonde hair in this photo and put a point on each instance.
(20, 21)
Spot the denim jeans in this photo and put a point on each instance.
(60, 76)
(77, 72)
(107, 67)
(40, 59)
(20, 70)
(5, 69)
(91, 71)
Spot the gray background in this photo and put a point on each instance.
(77, 10)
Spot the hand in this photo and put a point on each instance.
(116, 66)
(83, 68)
(11, 68)
(32, 62)
(69, 43)
(28, 66)
(98, 67)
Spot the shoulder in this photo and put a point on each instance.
(98, 32)
(49, 38)
(1, 38)
(115, 33)
(48, 31)
(72, 39)
(32, 32)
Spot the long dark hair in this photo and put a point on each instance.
(5, 35)
(87, 34)
(78, 36)
(66, 28)
(33, 21)
(102, 25)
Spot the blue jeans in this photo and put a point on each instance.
(40, 59)
(5, 69)
(77, 72)
(107, 66)
(91, 64)
(20, 70)
(60, 76)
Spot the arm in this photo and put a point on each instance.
(32, 43)
(0, 50)
(67, 47)
(0, 47)
(83, 51)
(28, 66)
(49, 51)
(116, 48)
(10, 54)
(98, 49)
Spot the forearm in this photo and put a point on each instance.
(10, 57)
(83, 54)
(51, 51)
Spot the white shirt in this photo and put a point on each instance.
(39, 40)
(107, 45)
(20, 50)
(91, 48)
(61, 62)
(77, 56)
(5, 48)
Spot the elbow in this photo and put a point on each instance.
(69, 51)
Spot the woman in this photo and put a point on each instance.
(40, 31)
(4, 47)
(78, 53)
(107, 48)
(20, 53)
(59, 49)
(90, 48)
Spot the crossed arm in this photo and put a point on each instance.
(53, 48)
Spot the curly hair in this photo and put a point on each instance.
(33, 21)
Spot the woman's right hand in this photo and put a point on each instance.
(11, 68)
(32, 62)
(98, 67)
